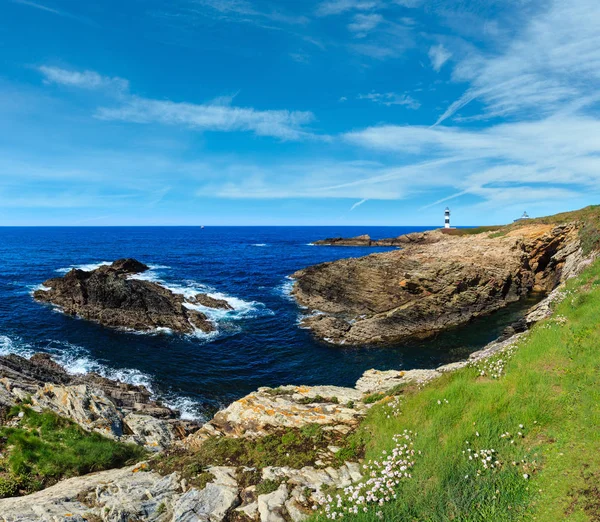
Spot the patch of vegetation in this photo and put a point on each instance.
(276, 392)
(373, 397)
(317, 399)
(247, 477)
(43, 448)
(184, 462)
(540, 417)
(295, 448)
(469, 231)
(269, 485)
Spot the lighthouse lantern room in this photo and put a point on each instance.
(447, 218)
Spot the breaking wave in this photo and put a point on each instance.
(77, 360)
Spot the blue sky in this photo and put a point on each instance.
(297, 112)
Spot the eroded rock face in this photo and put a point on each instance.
(269, 409)
(134, 493)
(435, 282)
(116, 410)
(111, 297)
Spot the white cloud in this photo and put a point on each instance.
(358, 204)
(336, 7)
(554, 61)
(362, 24)
(438, 55)
(215, 115)
(552, 157)
(282, 124)
(391, 98)
(83, 80)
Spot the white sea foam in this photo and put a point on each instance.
(87, 267)
(15, 346)
(77, 361)
(189, 289)
(188, 408)
(260, 244)
(285, 289)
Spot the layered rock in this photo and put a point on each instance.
(135, 493)
(434, 282)
(110, 296)
(269, 409)
(117, 410)
(365, 240)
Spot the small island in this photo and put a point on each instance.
(111, 296)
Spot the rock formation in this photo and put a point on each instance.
(434, 282)
(137, 493)
(111, 297)
(269, 409)
(116, 410)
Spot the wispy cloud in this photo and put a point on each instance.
(215, 115)
(287, 125)
(551, 63)
(336, 7)
(438, 55)
(52, 10)
(39, 6)
(358, 204)
(244, 8)
(362, 24)
(391, 98)
(82, 80)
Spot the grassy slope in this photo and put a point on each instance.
(44, 448)
(551, 386)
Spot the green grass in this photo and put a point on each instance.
(293, 447)
(470, 231)
(44, 448)
(551, 386)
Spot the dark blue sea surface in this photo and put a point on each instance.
(257, 344)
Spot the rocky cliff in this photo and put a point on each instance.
(434, 282)
(110, 296)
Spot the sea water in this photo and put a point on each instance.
(258, 343)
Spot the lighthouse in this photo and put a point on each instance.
(447, 218)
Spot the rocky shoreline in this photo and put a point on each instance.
(112, 296)
(433, 282)
(436, 281)
(141, 493)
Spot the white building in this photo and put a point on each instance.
(447, 218)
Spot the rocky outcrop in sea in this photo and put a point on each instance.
(112, 296)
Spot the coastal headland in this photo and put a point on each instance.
(434, 282)
(459, 441)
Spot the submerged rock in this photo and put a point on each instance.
(110, 296)
(435, 282)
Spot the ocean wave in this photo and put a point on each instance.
(189, 409)
(259, 244)
(76, 360)
(285, 289)
(15, 346)
(86, 267)
(189, 289)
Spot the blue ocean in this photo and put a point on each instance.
(259, 343)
